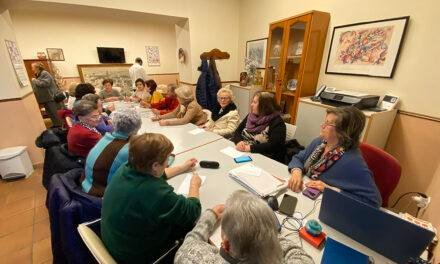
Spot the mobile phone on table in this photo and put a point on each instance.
(288, 205)
(242, 159)
(312, 193)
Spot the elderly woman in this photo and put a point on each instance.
(45, 88)
(167, 104)
(141, 214)
(142, 94)
(333, 160)
(108, 94)
(72, 98)
(224, 121)
(188, 112)
(263, 130)
(156, 96)
(105, 124)
(249, 235)
(83, 136)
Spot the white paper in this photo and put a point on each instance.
(216, 237)
(197, 131)
(232, 152)
(184, 187)
(250, 169)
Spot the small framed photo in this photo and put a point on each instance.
(55, 54)
(367, 48)
(256, 51)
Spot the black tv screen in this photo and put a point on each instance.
(111, 55)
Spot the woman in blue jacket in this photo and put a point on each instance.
(333, 160)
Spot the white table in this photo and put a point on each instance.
(218, 187)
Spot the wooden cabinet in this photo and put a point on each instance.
(28, 66)
(293, 58)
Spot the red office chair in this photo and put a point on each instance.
(385, 168)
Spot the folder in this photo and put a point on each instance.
(339, 253)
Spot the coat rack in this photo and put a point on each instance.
(215, 54)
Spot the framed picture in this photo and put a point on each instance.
(55, 54)
(96, 73)
(256, 51)
(153, 57)
(367, 48)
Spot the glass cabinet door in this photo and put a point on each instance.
(275, 50)
(294, 51)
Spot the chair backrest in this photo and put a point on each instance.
(94, 243)
(290, 131)
(385, 168)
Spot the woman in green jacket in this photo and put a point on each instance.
(141, 214)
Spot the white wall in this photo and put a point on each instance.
(212, 24)
(10, 88)
(416, 76)
(78, 31)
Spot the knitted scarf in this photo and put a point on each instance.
(256, 124)
(216, 115)
(317, 163)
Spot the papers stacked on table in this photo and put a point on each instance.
(257, 180)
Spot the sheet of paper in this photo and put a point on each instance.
(184, 187)
(216, 238)
(197, 131)
(232, 152)
(250, 169)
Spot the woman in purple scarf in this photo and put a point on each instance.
(263, 130)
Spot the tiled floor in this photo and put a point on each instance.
(24, 222)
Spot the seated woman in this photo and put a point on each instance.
(83, 135)
(224, 121)
(333, 160)
(141, 214)
(142, 94)
(249, 235)
(263, 130)
(111, 152)
(156, 96)
(105, 123)
(72, 97)
(81, 90)
(167, 104)
(108, 94)
(188, 112)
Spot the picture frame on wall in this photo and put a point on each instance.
(96, 73)
(153, 55)
(55, 54)
(367, 48)
(256, 51)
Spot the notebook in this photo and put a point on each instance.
(257, 180)
(336, 252)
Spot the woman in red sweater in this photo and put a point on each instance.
(83, 136)
(167, 104)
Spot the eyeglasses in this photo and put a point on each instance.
(223, 98)
(325, 124)
(170, 160)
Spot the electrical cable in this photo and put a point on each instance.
(405, 194)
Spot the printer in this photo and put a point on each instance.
(344, 98)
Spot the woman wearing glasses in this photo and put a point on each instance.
(224, 120)
(333, 160)
(141, 214)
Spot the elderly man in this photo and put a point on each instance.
(136, 71)
(45, 88)
(111, 152)
(249, 235)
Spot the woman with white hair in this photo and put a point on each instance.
(188, 112)
(224, 120)
(249, 235)
(111, 152)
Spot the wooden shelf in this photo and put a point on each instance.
(289, 93)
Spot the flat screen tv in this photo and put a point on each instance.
(111, 55)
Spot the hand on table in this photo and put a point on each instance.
(189, 164)
(163, 122)
(196, 181)
(155, 111)
(317, 184)
(295, 182)
(242, 146)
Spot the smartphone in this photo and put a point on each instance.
(312, 193)
(288, 205)
(242, 159)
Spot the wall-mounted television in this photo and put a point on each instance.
(111, 55)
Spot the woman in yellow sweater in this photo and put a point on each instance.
(156, 96)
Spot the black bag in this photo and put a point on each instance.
(292, 148)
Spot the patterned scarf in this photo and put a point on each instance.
(317, 163)
(256, 124)
(93, 129)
